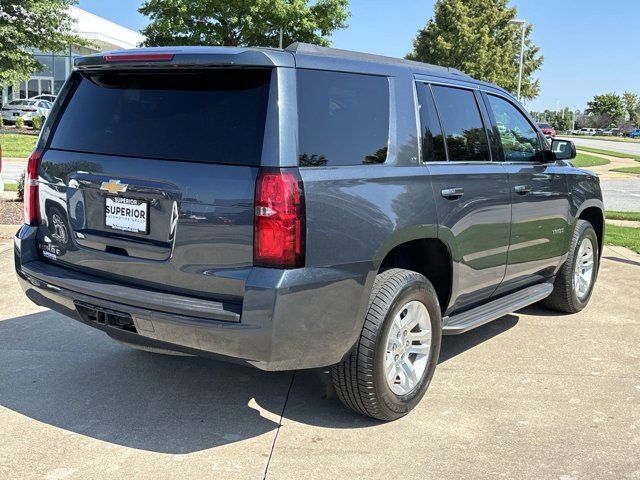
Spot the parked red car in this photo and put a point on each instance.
(547, 129)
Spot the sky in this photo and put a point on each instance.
(589, 47)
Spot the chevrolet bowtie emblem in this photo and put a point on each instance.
(114, 186)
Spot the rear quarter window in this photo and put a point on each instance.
(215, 116)
(343, 118)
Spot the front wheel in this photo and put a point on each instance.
(391, 365)
(575, 280)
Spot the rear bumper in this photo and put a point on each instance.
(289, 319)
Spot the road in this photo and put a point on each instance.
(12, 169)
(622, 194)
(624, 147)
(531, 395)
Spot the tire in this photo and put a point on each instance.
(566, 296)
(360, 380)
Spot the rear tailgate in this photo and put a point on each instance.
(148, 178)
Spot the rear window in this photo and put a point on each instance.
(213, 116)
(343, 118)
(544, 125)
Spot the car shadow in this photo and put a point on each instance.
(622, 260)
(453, 345)
(65, 374)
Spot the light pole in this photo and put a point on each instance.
(523, 25)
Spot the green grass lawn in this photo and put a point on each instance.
(10, 187)
(628, 237)
(16, 145)
(583, 160)
(611, 153)
(634, 170)
(613, 215)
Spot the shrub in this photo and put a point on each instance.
(36, 122)
(1, 122)
(19, 122)
(20, 187)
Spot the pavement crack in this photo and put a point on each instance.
(275, 438)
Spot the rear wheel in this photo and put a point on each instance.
(575, 280)
(391, 366)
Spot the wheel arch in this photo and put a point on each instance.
(594, 214)
(429, 256)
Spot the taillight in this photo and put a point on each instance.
(31, 205)
(278, 239)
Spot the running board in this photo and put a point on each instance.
(465, 321)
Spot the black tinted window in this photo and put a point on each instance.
(462, 124)
(214, 116)
(432, 139)
(343, 118)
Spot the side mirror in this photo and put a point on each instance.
(563, 149)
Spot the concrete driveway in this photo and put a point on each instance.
(532, 395)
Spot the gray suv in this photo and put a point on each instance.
(301, 208)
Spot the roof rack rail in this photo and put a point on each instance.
(312, 49)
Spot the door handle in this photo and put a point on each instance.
(522, 189)
(454, 192)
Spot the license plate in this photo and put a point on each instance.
(126, 214)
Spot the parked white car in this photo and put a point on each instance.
(27, 109)
(45, 96)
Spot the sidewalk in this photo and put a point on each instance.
(604, 171)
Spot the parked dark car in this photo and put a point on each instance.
(301, 208)
(547, 130)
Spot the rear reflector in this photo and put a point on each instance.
(139, 57)
(31, 201)
(279, 220)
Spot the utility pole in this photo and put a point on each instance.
(281, 38)
(523, 26)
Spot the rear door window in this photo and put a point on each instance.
(213, 116)
(464, 130)
(343, 118)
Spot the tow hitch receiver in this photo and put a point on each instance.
(104, 316)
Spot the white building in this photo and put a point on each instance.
(103, 35)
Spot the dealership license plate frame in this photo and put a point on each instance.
(126, 201)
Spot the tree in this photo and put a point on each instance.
(242, 22)
(631, 104)
(606, 106)
(32, 24)
(476, 37)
